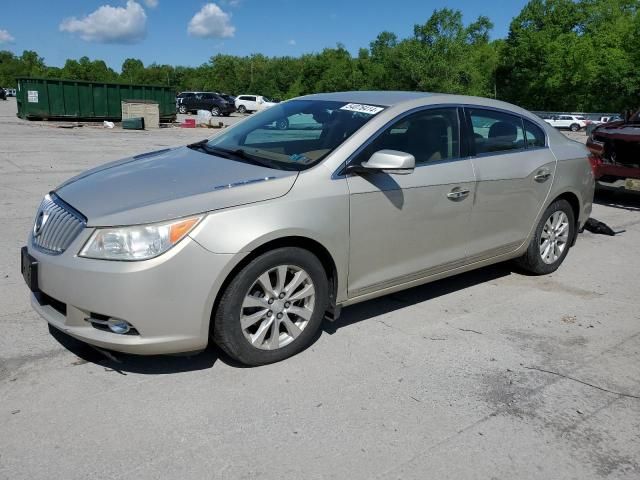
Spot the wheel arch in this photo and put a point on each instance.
(306, 243)
(574, 201)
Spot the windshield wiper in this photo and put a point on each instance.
(238, 154)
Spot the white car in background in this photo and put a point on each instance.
(572, 122)
(252, 103)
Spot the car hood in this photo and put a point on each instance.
(169, 184)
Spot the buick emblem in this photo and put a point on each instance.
(41, 219)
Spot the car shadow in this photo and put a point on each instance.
(381, 305)
(123, 363)
(617, 198)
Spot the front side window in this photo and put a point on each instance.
(294, 135)
(496, 131)
(430, 135)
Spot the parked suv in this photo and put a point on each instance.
(572, 122)
(193, 101)
(251, 238)
(252, 103)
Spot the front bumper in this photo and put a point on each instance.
(168, 299)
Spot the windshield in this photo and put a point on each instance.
(294, 135)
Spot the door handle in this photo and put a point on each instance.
(542, 175)
(457, 194)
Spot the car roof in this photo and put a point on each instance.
(417, 99)
(386, 98)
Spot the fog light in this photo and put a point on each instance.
(118, 326)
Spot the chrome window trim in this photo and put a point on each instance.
(521, 117)
(339, 173)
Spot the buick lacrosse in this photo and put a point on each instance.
(250, 239)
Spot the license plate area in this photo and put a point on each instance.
(632, 184)
(29, 267)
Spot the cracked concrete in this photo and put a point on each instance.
(432, 382)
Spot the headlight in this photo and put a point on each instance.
(139, 242)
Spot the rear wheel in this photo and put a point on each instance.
(551, 241)
(272, 308)
(242, 109)
(215, 111)
(182, 109)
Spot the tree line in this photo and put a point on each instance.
(581, 55)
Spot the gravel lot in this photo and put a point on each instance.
(448, 380)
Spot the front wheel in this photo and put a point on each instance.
(551, 241)
(182, 109)
(215, 112)
(273, 307)
(574, 127)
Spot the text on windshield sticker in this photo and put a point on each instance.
(358, 107)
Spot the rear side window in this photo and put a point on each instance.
(534, 135)
(496, 131)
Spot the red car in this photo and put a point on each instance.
(615, 149)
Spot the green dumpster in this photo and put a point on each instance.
(48, 98)
(135, 123)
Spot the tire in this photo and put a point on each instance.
(215, 111)
(245, 297)
(534, 260)
(282, 124)
(242, 109)
(574, 127)
(182, 109)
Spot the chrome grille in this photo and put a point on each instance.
(56, 226)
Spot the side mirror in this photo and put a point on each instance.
(387, 161)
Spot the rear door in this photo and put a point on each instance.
(514, 171)
(206, 101)
(565, 121)
(251, 103)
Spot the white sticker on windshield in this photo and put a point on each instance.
(358, 107)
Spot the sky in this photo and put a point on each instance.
(188, 32)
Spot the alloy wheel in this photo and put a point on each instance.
(277, 307)
(555, 237)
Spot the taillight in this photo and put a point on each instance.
(595, 161)
(595, 147)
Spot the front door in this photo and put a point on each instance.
(406, 227)
(514, 172)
